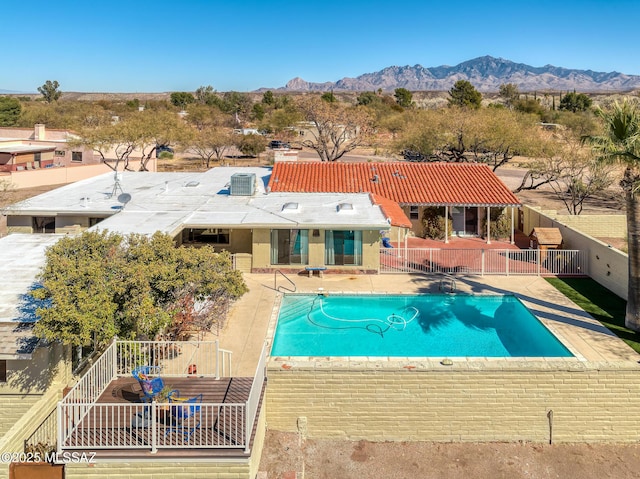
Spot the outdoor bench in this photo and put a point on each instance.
(319, 269)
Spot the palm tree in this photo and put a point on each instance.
(621, 143)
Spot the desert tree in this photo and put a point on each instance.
(251, 145)
(575, 102)
(620, 143)
(135, 136)
(403, 97)
(100, 284)
(268, 98)
(10, 109)
(206, 95)
(509, 93)
(490, 135)
(572, 171)
(209, 143)
(335, 129)
(50, 91)
(181, 99)
(464, 94)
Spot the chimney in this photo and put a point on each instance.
(39, 132)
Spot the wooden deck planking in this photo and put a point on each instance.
(113, 429)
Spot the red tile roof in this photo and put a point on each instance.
(392, 210)
(459, 184)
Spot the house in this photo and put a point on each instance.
(465, 192)
(32, 157)
(228, 208)
(33, 374)
(39, 147)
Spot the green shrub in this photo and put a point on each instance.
(500, 224)
(433, 223)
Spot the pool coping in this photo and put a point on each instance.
(558, 320)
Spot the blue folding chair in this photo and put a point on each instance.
(151, 386)
(187, 415)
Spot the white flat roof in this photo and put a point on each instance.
(21, 258)
(149, 202)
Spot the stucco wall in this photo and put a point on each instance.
(608, 266)
(63, 175)
(20, 224)
(240, 241)
(506, 401)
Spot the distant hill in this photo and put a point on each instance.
(485, 73)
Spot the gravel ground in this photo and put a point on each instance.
(325, 459)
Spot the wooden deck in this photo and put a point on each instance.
(121, 423)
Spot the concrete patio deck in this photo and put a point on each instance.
(248, 322)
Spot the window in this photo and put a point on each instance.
(215, 235)
(3, 371)
(414, 213)
(289, 246)
(37, 156)
(343, 247)
(210, 235)
(59, 153)
(94, 221)
(76, 156)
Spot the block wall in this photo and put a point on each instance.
(532, 401)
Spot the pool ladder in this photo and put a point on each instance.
(447, 282)
(281, 287)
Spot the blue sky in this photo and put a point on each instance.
(145, 46)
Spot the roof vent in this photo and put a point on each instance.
(345, 207)
(192, 184)
(243, 184)
(291, 206)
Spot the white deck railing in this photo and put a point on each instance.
(175, 358)
(83, 423)
(86, 392)
(150, 427)
(256, 391)
(484, 261)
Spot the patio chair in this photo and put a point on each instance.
(187, 414)
(151, 386)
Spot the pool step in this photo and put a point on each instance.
(301, 307)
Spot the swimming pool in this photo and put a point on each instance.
(411, 326)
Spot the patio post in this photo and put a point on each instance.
(154, 427)
(488, 224)
(114, 356)
(217, 359)
(60, 433)
(446, 224)
(513, 234)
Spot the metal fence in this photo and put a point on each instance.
(83, 423)
(208, 425)
(174, 357)
(484, 261)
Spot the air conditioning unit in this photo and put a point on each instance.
(243, 184)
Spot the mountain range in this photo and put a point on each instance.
(485, 73)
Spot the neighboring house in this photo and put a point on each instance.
(33, 148)
(466, 191)
(33, 374)
(228, 208)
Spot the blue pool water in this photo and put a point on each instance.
(411, 325)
